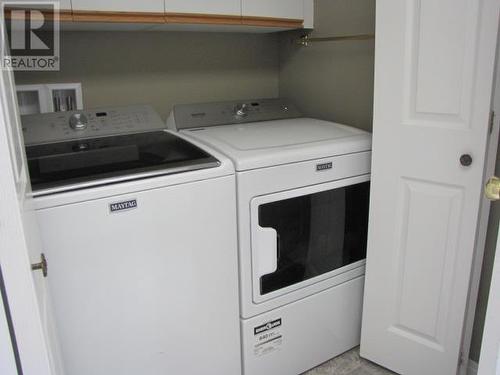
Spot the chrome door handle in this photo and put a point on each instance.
(41, 266)
(492, 189)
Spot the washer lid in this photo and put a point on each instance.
(77, 164)
(263, 144)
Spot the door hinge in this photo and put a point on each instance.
(491, 121)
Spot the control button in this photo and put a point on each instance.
(241, 110)
(78, 121)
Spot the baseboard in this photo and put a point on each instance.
(472, 367)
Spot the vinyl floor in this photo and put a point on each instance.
(349, 363)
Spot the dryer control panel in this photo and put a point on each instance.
(65, 126)
(191, 116)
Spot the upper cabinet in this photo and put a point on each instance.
(63, 4)
(213, 7)
(284, 9)
(241, 15)
(43, 6)
(147, 6)
(118, 11)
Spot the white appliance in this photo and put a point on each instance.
(302, 193)
(140, 238)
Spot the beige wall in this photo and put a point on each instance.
(333, 80)
(163, 68)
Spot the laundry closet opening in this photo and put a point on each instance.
(331, 81)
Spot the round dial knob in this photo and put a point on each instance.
(241, 110)
(78, 121)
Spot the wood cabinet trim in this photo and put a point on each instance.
(170, 18)
(273, 22)
(65, 15)
(218, 19)
(118, 17)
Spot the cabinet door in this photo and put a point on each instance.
(221, 7)
(290, 9)
(149, 6)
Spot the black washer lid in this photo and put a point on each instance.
(98, 161)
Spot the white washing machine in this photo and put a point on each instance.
(139, 234)
(302, 196)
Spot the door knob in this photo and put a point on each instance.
(41, 266)
(492, 189)
(466, 160)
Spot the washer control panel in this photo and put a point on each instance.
(191, 116)
(64, 126)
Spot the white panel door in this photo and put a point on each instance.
(147, 6)
(433, 83)
(289, 9)
(220, 7)
(26, 299)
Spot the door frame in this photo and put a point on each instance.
(33, 349)
(17, 274)
(489, 361)
(484, 212)
(8, 349)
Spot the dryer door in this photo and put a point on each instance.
(304, 236)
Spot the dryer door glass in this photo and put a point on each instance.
(316, 233)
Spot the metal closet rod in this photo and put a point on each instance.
(305, 40)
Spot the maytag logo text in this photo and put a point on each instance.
(122, 206)
(324, 166)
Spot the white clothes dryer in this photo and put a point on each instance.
(302, 197)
